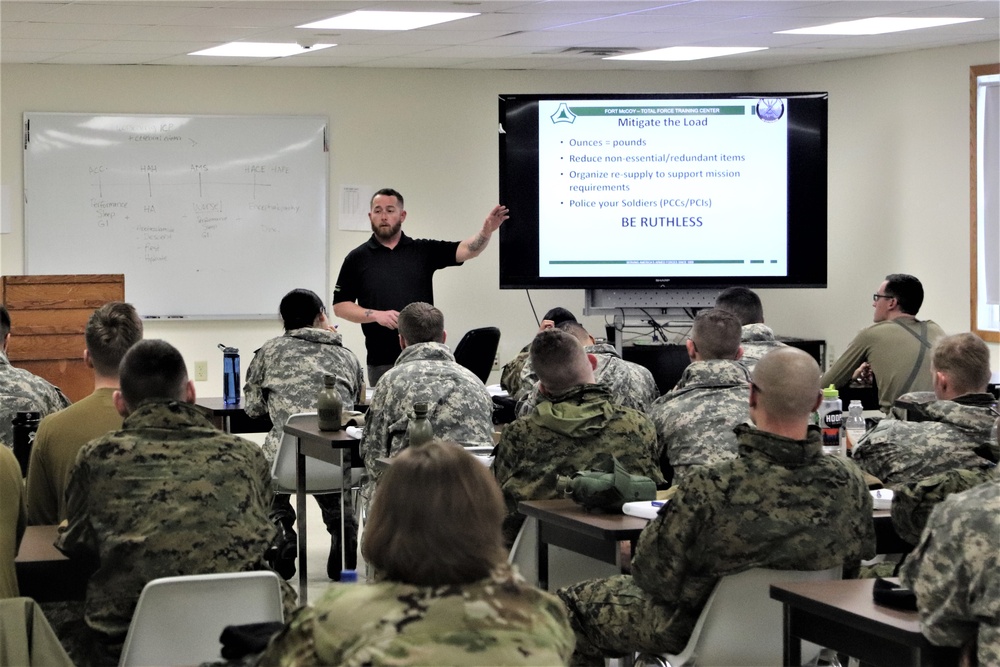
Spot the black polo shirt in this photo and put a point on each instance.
(390, 279)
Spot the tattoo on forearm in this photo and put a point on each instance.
(478, 243)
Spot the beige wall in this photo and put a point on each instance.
(898, 172)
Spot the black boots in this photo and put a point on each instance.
(282, 553)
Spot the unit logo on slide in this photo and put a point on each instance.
(770, 110)
(563, 114)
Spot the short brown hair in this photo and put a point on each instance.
(152, 369)
(965, 358)
(742, 302)
(559, 360)
(716, 334)
(421, 322)
(111, 330)
(787, 381)
(435, 519)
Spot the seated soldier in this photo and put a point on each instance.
(756, 338)
(577, 421)
(630, 384)
(959, 420)
(782, 504)
(955, 574)
(13, 520)
(695, 420)
(461, 409)
(168, 494)
(517, 378)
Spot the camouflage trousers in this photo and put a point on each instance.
(614, 617)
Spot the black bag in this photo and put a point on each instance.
(893, 595)
(608, 487)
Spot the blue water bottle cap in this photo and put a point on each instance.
(348, 576)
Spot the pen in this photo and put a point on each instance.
(658, 503)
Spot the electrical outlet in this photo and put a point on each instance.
(496, 361)
(201, 371)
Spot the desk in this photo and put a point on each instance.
(232, 418)
(842, 615)
(566, 524)
(333, 447)
(43, 572)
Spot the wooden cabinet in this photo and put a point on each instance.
(48, 317)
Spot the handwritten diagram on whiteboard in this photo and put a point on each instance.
(207, 216)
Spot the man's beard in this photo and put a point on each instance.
(386, 233)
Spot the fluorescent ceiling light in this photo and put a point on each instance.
(879, 25)
(675, 53)
(259, 50)
(363, 20)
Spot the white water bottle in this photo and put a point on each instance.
(855, 424)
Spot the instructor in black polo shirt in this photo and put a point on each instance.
(389, 271)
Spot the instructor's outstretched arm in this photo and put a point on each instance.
(474, 246)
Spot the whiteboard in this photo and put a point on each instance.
(207, 216)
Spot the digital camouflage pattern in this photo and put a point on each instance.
(630, 384)
(168, 494)
(960, 435)
(695, 420)
(912, 503)
(286, 375)
(563, 435)
(781, 505)
(461, 409)
(756, 341)
(955, 572)
(21, 391)
(497, 621)
(510, 375)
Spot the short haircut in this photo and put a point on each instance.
(741, 302)
(386, 192)
(558, 315)
(965, 358)
(435, 519)
(716, 334)
(576, 330)
(111, 330)
(152, 369)
(787, 382)
(300, 308)
(421, 322)
(4, 322)
(907, 291)
(559, 360)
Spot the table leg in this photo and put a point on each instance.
(300, 518)
(345, 486)
(543, 558)
(792, 649)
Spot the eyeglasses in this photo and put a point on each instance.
(876, 296)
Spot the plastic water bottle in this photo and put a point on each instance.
(830, 417)
(855, 424)
(230, 374)
(329, 406)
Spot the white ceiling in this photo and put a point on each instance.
(533, 35)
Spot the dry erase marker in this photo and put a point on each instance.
(658, 503)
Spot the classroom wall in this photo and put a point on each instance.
(898, 173)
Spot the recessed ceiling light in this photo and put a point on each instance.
(675, 53)
(364, 20)
(259, 49)
(879, 25)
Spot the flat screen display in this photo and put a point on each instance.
(670, 190)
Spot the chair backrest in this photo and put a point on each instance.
(741, 625)
(321, 477)
(565, 567)
(178, 620)
(477, 350)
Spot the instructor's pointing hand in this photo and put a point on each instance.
(496, 218)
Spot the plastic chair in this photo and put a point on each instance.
(477, 350)
(565, 567)
(178, 620)
(740, 625)
(321, 477)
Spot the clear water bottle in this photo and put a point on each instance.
(830, 420)
(419, 429)
(328, 405)
(855, 424)
(230, 374)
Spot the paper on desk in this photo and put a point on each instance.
(881, 499)
(644, 509)
(354, 432)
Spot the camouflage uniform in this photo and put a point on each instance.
(781, 505)
(21, 391)
(496, 621)
(563, 435)
(912, 503)
(955, 572)
(510, 375)
(959, 436)
(460, 407)
(286, 375)
(695, 420)
(630, 384)
(167, 495)
(756, 341)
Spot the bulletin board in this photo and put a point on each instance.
(211, 217)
